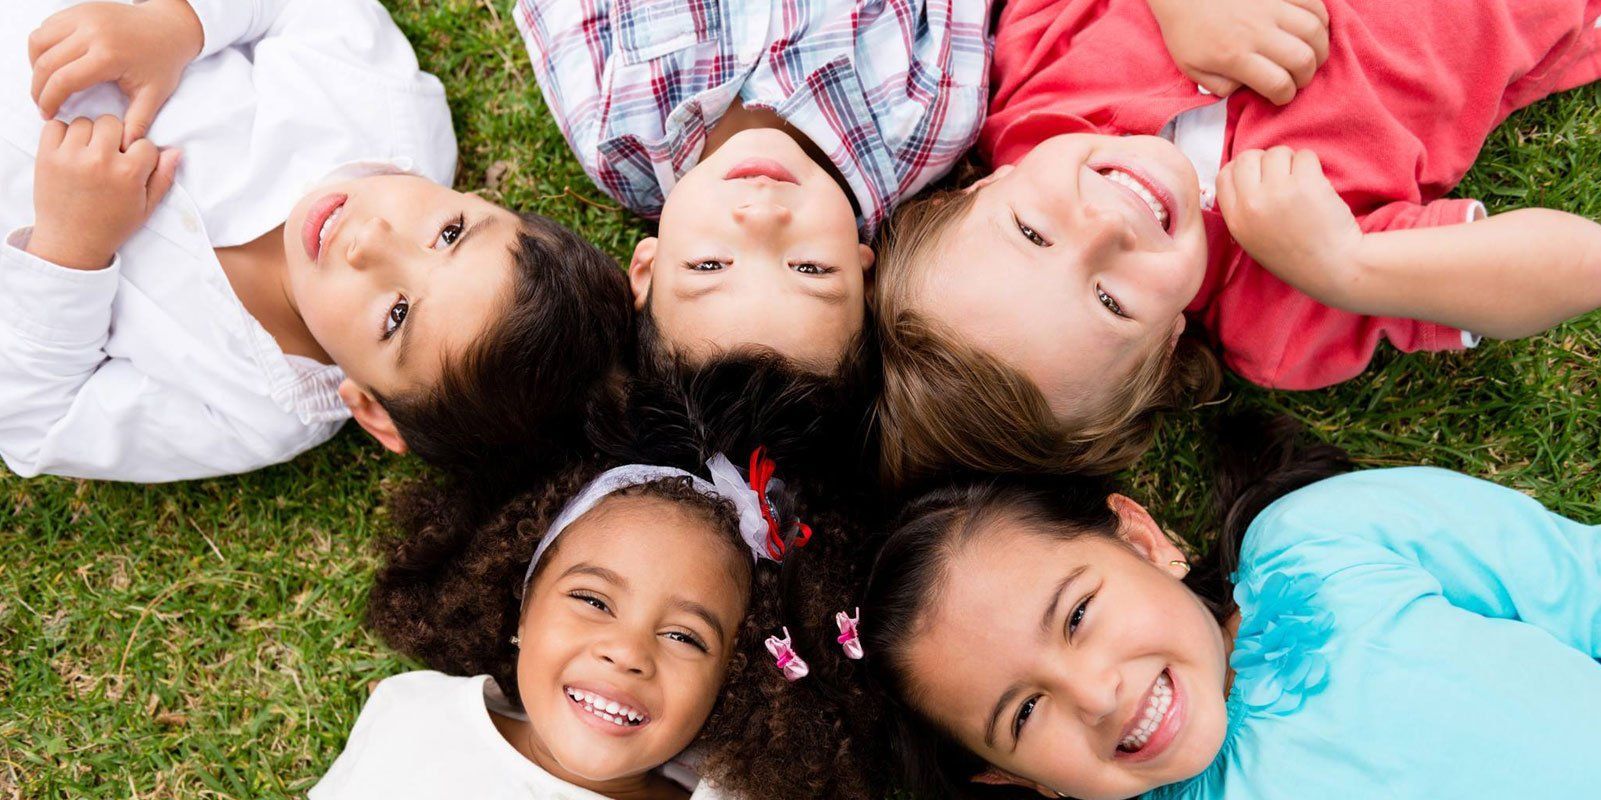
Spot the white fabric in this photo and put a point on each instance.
(1199, 134)
(726, 483)
(425, 735)
(151, 369)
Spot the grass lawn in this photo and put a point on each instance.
(203, 639)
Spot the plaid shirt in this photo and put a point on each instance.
(893, 91)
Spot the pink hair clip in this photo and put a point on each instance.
(789, 662)
(848, 637)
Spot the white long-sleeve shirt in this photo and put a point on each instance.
(151, 369)
(428, 736)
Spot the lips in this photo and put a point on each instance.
(1151, 193)
(611, 711)
(1156, 721)
(320, 219)
(755, 168)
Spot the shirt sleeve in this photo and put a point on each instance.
(1484, 548)
(569, 44)
(68, 408)
(226, 23)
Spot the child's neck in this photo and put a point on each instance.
(739, 118)
(647, 786)
(258, 271)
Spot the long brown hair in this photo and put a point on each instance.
(949, 406)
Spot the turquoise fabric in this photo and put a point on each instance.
(1413, 633)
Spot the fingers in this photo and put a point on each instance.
(66, 81)
(1306, 163)
(1306, 26)
(51, 135)
(1276, 162)
(106, 135)
(46, 36)
(1317, 9)
(161, 179)
(51, 61)
(1215, 84)
(142, 108)
(1292, 55)
(78, 132)
(1266, 78)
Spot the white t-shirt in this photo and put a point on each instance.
(429, 735)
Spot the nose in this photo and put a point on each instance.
(373, 244)
(1102, 233)
(762, 214)
(627, 652)
(1093, 690)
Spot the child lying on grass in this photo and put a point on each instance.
(1035, 320)
(771, 138)
(167, 316)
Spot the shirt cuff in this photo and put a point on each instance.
(223, 22)
(51, 303)
(1475, 212)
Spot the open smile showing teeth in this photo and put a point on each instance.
(1156, 708)
(607, 709)
(1138, 187)
(328, 225)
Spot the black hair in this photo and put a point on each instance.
(526, 391)
(1258, 461)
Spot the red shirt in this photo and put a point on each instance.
(1396, 115)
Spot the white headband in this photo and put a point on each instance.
(727, 483)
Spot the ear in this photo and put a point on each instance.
(1136, 527)
(640, 268)
(867, 257)
(995, 776)
(371, 416)
(1000, 172)
(1178, 330)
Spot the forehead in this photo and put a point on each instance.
(661, 549)
(805, 329)
(458, 308)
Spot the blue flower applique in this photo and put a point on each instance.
(1278, 656)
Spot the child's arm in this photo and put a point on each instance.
(1508, 276)
(67, 407)
(1484, 548)
(142, 48)
(1270, 46)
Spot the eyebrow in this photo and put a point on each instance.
(597, 571)
(704, 613)
(483, 222)
(1045, 626)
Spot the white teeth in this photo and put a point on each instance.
(327, 225)
(606, 708)
(1128, 181)
(1151, 718)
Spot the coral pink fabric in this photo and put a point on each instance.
(1397, 115)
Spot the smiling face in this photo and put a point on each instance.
(757, 247)
(1081, 665)
(1073, 265)
(395, 274)
(625, 639)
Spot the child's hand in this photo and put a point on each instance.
(1286, 214)
(1270, 46)
(89, 195)
(142, 48)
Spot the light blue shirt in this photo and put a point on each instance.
(1413, 633)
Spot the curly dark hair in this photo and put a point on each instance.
(529, 385)
(449, 594)
(817, 737)
(450, 591)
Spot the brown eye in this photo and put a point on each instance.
(1030, 234)
(1110, 302)
(395, 318)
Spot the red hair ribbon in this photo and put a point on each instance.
(761, 474)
